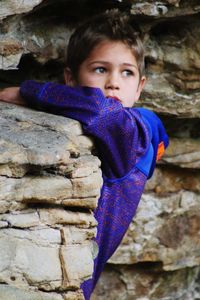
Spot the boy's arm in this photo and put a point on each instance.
(121, 135)
(12, 95)
(121, 138)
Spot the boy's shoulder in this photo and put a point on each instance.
(148, 114)
(154, 123)
(158, 136)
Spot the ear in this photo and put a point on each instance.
(140, 87)
(68, 77)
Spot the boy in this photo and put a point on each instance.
(104, 78)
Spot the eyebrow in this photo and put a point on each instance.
(107, 63)
(130, 65)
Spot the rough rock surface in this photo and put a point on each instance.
(50, 183)
(49, 186)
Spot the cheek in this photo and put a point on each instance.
(93, 81)
(131, 88)
(86, 79)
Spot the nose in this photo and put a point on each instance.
(112, 81)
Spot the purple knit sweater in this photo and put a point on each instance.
(123, 137)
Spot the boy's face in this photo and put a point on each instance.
(112, 67)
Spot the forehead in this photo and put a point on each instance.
(112, 50)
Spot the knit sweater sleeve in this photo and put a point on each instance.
(121, 137)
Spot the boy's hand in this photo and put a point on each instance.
(12, 95)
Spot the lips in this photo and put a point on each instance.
(115, 98)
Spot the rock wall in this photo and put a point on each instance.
(159, 257)
(50, 183)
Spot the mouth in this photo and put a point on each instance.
(115, 98)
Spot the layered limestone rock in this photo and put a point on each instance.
(50, 181)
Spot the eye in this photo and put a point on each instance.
(127, 73)
(100, 70)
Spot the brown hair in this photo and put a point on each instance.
(111, 25)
